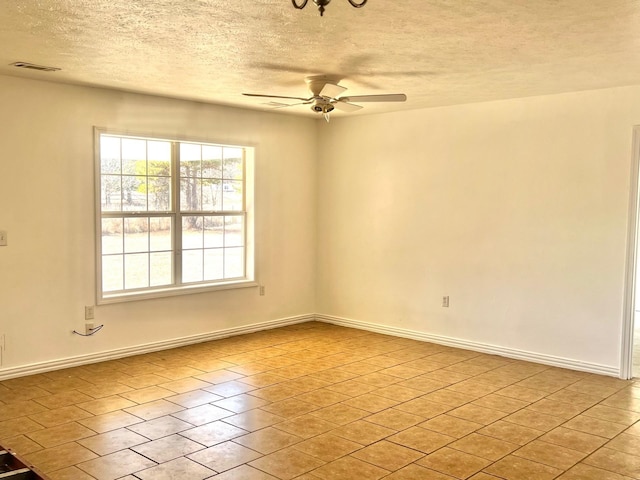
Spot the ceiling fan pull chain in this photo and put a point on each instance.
(357, 5)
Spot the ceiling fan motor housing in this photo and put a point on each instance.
(322, 105)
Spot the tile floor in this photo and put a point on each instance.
(316, 401)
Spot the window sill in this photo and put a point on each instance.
(172, 292)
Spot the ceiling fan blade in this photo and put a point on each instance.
(392, 97)
(345, 106)
(278, 104)
(331, 90)
(276, 96)
(285, 105)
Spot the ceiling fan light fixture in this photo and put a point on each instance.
(327, 108)
(321, 4)
(323, 106)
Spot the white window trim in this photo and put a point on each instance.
(174, 290)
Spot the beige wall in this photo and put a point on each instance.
(47, 206)
(515, 209)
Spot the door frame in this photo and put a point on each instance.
(628, 318)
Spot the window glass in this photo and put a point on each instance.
(150, 218)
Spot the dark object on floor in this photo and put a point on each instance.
(13, 468)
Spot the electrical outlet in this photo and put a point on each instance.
(261, 290)
(445, 301)
(3, 239)
(88, 328)
(89, 312)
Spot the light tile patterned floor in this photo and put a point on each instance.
(316, 401)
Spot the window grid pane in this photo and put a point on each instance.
(112, 235)
(136, 271)
(160, 269)
(192, 266)
(112, 273)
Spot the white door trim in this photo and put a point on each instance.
(626, 351)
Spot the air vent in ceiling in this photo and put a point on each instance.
(33, 66)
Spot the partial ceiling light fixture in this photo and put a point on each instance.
(323, 106)
(323, 3)
(33, 66)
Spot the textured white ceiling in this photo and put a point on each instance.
(438, 52)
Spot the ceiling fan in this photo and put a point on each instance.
(326, 96)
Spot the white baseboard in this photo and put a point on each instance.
(561, 362)
(474, 346)
(48, 366)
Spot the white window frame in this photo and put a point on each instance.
(177, 288)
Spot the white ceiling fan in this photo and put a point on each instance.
(327, 96)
